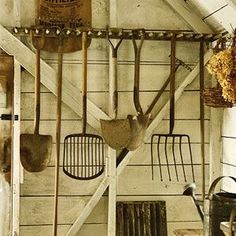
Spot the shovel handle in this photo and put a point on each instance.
(172, 84)
(84, 76)
(37, 93)
(38, 43)
(137, 53)
(113, 83)
(58, 134)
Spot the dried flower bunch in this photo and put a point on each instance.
(223, 66)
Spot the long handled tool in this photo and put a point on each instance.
(127, 133)
(35, 149)
(84, 153)
(140, 126)
(174, 142)
(116, 132)
(58, 134)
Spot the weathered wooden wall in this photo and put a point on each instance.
(135, 182)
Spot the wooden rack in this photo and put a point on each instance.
(116, 33)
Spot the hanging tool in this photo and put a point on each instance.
(174, 142)
(140, 126)
(84, 156)
(35, 149)
(58, 134)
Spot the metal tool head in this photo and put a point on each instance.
(138, 125)
(116, 133)
(174, 154)
(35, 151)
(84, 156)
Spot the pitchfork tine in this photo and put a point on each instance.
(152, 162)
(191, 157)
(167, 162)
(173, 151)
(159, 157)
(181, 156)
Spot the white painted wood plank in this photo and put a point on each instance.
(229, 151)
(112, 193)
(228, 185)
(196, 23)
(134, 180)
(70, 94)
(152, 14)
(69, 207)
(16, 166)
(86, 230)
(215, 147)
(72, 205)
(172, 226)
(229, 126)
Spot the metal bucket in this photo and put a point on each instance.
(217, 208)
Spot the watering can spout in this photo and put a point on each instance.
(189, 190)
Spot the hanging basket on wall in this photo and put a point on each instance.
(213, 97)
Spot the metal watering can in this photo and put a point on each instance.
(215, 208)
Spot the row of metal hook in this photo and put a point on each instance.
(55, 31)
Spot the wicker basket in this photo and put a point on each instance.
(213, 97)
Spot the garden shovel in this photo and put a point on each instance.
(117, 133)
(35, 149)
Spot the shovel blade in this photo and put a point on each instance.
(35, 151)
(116, 133)
(138, 127)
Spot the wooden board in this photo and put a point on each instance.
(144, 185)
(188, 232)
(42, 230)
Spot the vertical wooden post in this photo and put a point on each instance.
(112, 192)
(16, 167)
(112, 153)
(215, 152)
(202, 117)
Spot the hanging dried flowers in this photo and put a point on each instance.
(223, 66)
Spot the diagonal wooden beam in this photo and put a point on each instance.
(156, 121)
(70, 95)
(190, 17)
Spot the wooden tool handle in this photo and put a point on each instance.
(37, 93)
(84, 75)
(113, 83)
(137, 52)
(38, 43)
(58, 135)
(172, 84)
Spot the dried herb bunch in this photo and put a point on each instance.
(223, 66)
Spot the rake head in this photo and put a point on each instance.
(83, 156)
(174, 156)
